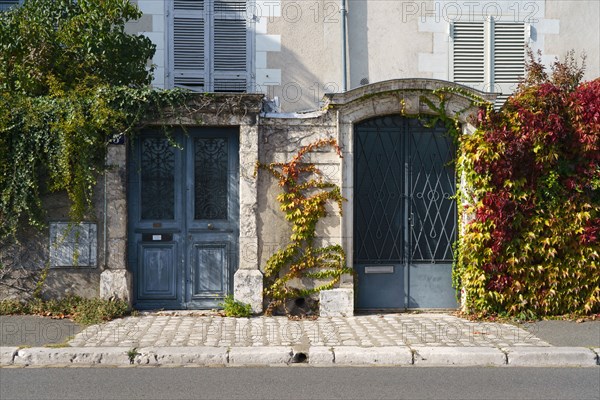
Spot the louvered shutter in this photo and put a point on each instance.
(468, 54)
(189, 50)
(230, 58)
(6, 4)
(508, 65)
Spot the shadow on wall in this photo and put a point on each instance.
(24, 259)
(21, 262)
(274, 230)
(300, 89)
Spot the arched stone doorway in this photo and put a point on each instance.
(401, 248)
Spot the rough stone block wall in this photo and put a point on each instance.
(24, 260)
(280, 139)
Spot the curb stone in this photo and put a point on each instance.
(321, 355)
(7, 355)
(317, 355)
(182, 355)
(551, 356)
(71, 355)
(260, 355)
(389, 355)
(480, 356)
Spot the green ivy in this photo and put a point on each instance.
(70, 80)
(303, 200)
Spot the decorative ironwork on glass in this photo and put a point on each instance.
(157, 179)
(404, 188)
(380, 190)
(432, 195)
(211, 178)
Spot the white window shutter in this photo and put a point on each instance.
(189, 45)
(230, 59)
(508, 65)
(468, 53)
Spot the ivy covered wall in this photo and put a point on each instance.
(530, 245)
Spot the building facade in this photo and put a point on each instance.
(296, 51)
(182, 226)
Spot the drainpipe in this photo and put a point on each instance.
(105, 219)
(343, 12)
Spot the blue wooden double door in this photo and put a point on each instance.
(183, 217)
(404, 213)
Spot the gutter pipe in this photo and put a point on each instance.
(344, 12)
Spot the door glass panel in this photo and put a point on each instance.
(210, 174)
(157, 179)
(379, 195)
(432, 194)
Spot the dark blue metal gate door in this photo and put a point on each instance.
(183, 217)
(404, 214)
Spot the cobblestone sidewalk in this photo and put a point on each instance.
(426, 329)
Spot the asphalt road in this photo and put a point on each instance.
(300, 383)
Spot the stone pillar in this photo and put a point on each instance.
(346, 140)
(248, 280)
(115, 280)
(336, 302)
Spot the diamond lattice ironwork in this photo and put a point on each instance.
(404, 188)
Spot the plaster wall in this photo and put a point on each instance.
(152, 25)
(384, 41)
(297, 47)
(310, 52)
(578, 29)
(408, 39)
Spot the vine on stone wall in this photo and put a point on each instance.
(303, 200)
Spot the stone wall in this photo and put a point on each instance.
(263, 229)
(280, 140)
(25, 259)
(115, 280)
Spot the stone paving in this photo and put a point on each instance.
(176, 330)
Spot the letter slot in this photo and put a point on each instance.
(380, 269)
